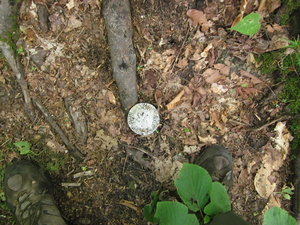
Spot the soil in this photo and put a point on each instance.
(203, 79)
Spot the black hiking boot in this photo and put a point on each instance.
(218, 162)
(27, 193)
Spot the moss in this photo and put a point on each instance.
(286, 68)
(290, 7)
(276, 62)
(291, 94)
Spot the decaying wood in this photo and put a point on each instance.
(119, 30)
(8, 36)
(78, 118)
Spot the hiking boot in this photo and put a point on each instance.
(27, 193)
(218, 163)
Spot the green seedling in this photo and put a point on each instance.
(149, 210)
(202, 201)
(20, 50)
(199, 195)
(24, 147)
(249, 25)
(286, 192)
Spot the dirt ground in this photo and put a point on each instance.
(202, 77)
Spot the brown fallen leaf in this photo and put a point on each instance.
(111, 97)
(198, 17)
(268, 6)
(215, 120)
(254, 79)
(175, 101)
(247, 92)
(212, 76)
(224, 69)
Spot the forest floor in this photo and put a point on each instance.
(203, 78)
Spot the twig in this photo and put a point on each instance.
(142, 150)
(179, 52)
(84, 173)
(73, 150)
(286, 117)
(71, 184)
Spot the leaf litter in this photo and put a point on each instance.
(203, 79)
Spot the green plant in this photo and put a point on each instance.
(24, 147)
(290, 7)
(249, 25)
(278, 216)
(287, 66)
(20, 50)
(203, 197)
(286, 192)
(198, 193)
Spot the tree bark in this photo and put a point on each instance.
(119, 30)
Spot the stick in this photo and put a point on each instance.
(286, 117)
(73, 150)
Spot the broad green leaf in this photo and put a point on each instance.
(206, 219)
(249, 25)
(149, 210)
(23, 147)
(193, 184)
(219, 200)
(174, 213)
(287, 196)
(288, 191)
(278, 216)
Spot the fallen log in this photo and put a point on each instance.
(119, 30)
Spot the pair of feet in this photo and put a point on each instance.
(28, 196)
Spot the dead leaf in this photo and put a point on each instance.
(175, 101)
(166, 169)
(268, 6)
(272, 161)
(191, 149)
(182, 63)
(201, 91)
(215, 120)
(198, 17)
(212, 76)
(218, 89)
(204, 54)
(111, 97)
(254, 79)
(70, 5)
(237, 19)
(224, 69)
(273, 201)
(73, 23)
(105, 141)
(208, 139)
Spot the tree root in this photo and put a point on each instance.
(73, 150)
(119, 29)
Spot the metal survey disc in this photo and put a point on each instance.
(143, 118)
